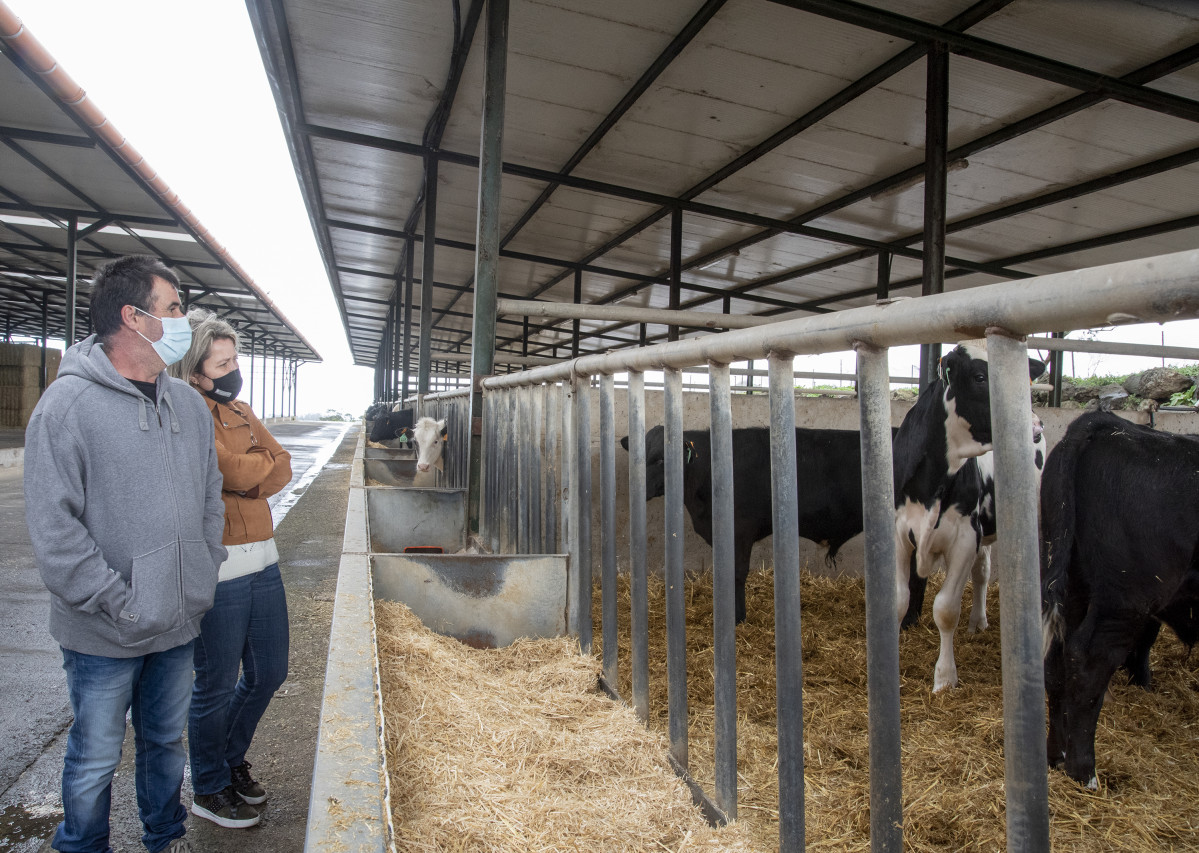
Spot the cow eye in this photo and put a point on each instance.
(980, 377)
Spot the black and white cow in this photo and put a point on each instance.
(1119, 556)
(828, 476)
(390, 425)
(945, 497)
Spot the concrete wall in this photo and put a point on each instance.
(753, 411)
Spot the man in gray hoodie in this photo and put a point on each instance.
(123, 503)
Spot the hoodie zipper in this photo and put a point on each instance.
(182, 611)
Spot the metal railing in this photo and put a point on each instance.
(540, 415)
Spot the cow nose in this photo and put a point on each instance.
(422, 466)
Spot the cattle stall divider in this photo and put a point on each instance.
(1157, 289)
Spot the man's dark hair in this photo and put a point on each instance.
(125, 281)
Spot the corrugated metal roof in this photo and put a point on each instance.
(58, 163)
(1072, 141)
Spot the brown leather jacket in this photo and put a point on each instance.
(254, 466)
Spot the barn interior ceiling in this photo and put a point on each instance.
(66, 191)
(737, 156)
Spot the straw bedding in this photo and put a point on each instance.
(1147, 746)
(515, 749)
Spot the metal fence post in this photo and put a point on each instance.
(882, 626)
(1026, 775)
(788, 658)
(608, 525)
(724, 674)
(582, 525)
(638, 593)
(676, 615)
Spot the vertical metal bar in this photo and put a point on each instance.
(553, 423)
(487, 239)
(788, 657)
(524, 441)
(1026, 778)
(676, 267)
(724, 670)
(936, 140)
(566, 512)
(44, 374)
(882, 287)
(582, 535)
(274, 382)
(487, 530)
(409, 274)
(1056, 365)
(882, 628)
(426, 285)
(676, 615)
(512, 472)
(252, 371)
(608, 524)
(537, 406)
(638, 594)
(578, 297)
(72, 277)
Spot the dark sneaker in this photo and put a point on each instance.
(224, 808)
(245, 786)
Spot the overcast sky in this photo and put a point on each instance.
(184, 82)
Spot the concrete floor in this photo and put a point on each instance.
(34, 712)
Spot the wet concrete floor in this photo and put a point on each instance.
(35, 714)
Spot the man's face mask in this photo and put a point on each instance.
(175, 340)
(227, 387)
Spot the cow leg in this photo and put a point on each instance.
(1092, 655)
(916, 588)
(1055, 686)
(905, 567)
(1137, 662)
(743, 547)
(980, 575)
(947, 609)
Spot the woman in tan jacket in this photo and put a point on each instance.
(246, 630)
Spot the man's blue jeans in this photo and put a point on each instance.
(246, 630)
(158, 689)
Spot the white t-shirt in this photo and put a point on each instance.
(248, 559)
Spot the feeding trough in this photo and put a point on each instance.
(406, 542)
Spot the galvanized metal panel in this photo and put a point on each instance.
(484, 600)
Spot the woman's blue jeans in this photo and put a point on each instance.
(245, 631)
(157, 687)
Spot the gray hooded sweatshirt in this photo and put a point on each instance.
(123, 503)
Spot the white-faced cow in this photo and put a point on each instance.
(393, 424)
(1119, 556)
(828, 476)
(945, 497)
(430, 438)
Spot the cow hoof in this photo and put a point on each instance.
(978, 628)
(1093, 785)
(940, 684)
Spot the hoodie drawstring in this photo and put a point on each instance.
(166, 396)
(142, 420)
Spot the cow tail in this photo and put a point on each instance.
(1058, 509)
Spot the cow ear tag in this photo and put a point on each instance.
(690, 452)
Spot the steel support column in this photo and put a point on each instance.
(426, 285)
(676, 267)
(639, 617)
(409, 269)
(676, 608)
(936, 137)
(487, 235)
(72, 279)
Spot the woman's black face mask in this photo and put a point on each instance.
(227, 387)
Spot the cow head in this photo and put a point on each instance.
(655, 461)
(430, 437)
(965, 389)
(389, 425)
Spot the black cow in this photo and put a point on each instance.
(389, 425)
(828, 471)
(945, 497)
(1119, 556)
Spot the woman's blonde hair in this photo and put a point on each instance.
(206, 328)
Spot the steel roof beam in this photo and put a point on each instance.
(46, 137)
(993, 53)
